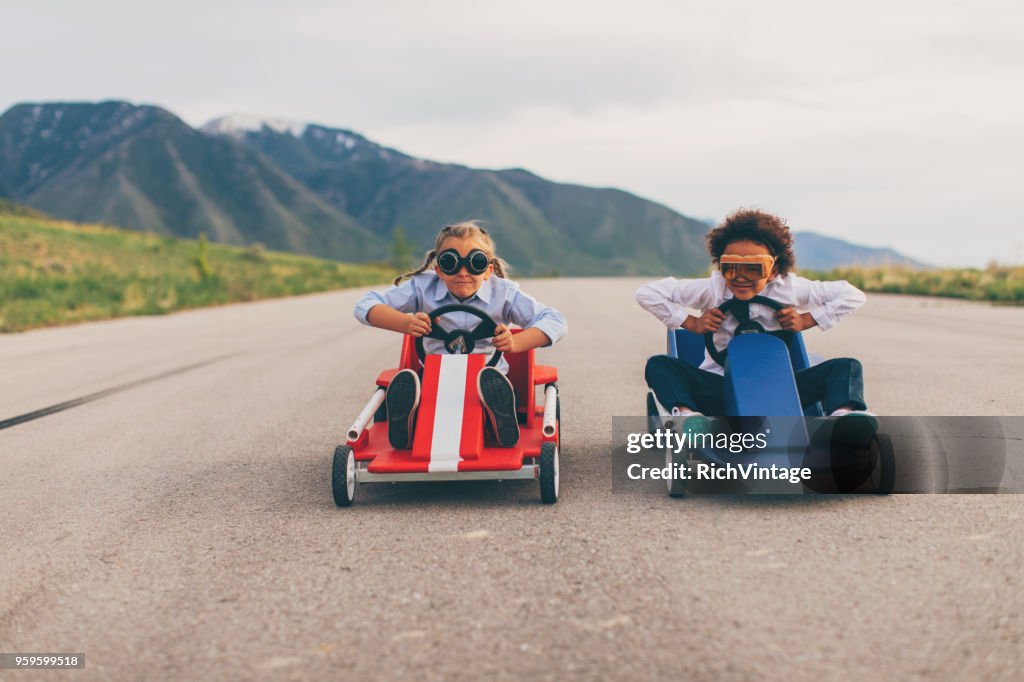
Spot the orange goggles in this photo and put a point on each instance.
(749, 267)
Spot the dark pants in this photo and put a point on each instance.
(834, 383)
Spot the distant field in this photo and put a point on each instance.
(54, 272)
(996, 283)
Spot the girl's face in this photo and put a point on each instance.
(463, 283)
(742, 288)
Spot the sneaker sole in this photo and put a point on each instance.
(499, 401)
(854, 429)
(402, 399)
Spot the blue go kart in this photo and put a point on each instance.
(842, 454)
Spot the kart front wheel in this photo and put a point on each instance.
(548, 473)
(343, 476)
(653, 416)
(882, 456)
(872, 470)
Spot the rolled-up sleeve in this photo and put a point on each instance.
(828, 302)
(667, 299)
(526, 311)
(403, 298)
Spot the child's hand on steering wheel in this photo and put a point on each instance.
(792, 321)
(419, 324)
(504, 340)
(709, 321)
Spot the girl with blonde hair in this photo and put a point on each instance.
(462, 268)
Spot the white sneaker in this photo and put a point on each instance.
(676, 412)
(853, 428)
(689, 420)
(843, 411)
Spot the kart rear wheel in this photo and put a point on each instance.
(548, 473)
(674, 462)
(558, 421)
(343, 476)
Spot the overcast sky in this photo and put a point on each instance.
(889, 123)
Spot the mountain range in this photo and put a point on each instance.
(329, 192)
(819, 252)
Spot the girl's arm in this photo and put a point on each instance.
(386, 317)
(395, 309)
(542, 325)
(667, 299)
(827, 302)
(507, 342)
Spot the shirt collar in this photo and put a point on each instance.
(441, 292)
(484, 292)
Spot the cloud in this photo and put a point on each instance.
(880, 119)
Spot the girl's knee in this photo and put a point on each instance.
(852, 364)
(657, 364)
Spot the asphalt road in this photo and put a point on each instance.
(182, 526)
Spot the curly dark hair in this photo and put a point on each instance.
(751, 225)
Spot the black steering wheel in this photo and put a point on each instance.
(746, 326)
(460, 341)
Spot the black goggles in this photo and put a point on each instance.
(450, 262)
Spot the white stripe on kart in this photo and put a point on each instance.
(451, 397)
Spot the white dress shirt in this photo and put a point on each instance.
(827, 302)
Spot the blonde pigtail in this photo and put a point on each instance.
(501, 268)
(428, 259)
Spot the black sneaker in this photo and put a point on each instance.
(499, 399)
(402, 400)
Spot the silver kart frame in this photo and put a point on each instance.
(366, 415)
(526, 472)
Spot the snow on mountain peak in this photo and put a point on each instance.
(237, 125)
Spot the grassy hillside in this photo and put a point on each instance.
(996, 283)
(8, 207)
(54, 272)
(142, 166)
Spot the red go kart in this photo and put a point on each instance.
(450, 442)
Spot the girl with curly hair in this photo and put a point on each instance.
(752, 252)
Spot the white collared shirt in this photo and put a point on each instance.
(498, 297)
(827, 302)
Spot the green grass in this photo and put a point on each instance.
(8, 207)
(995, 283)
(54, 272)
